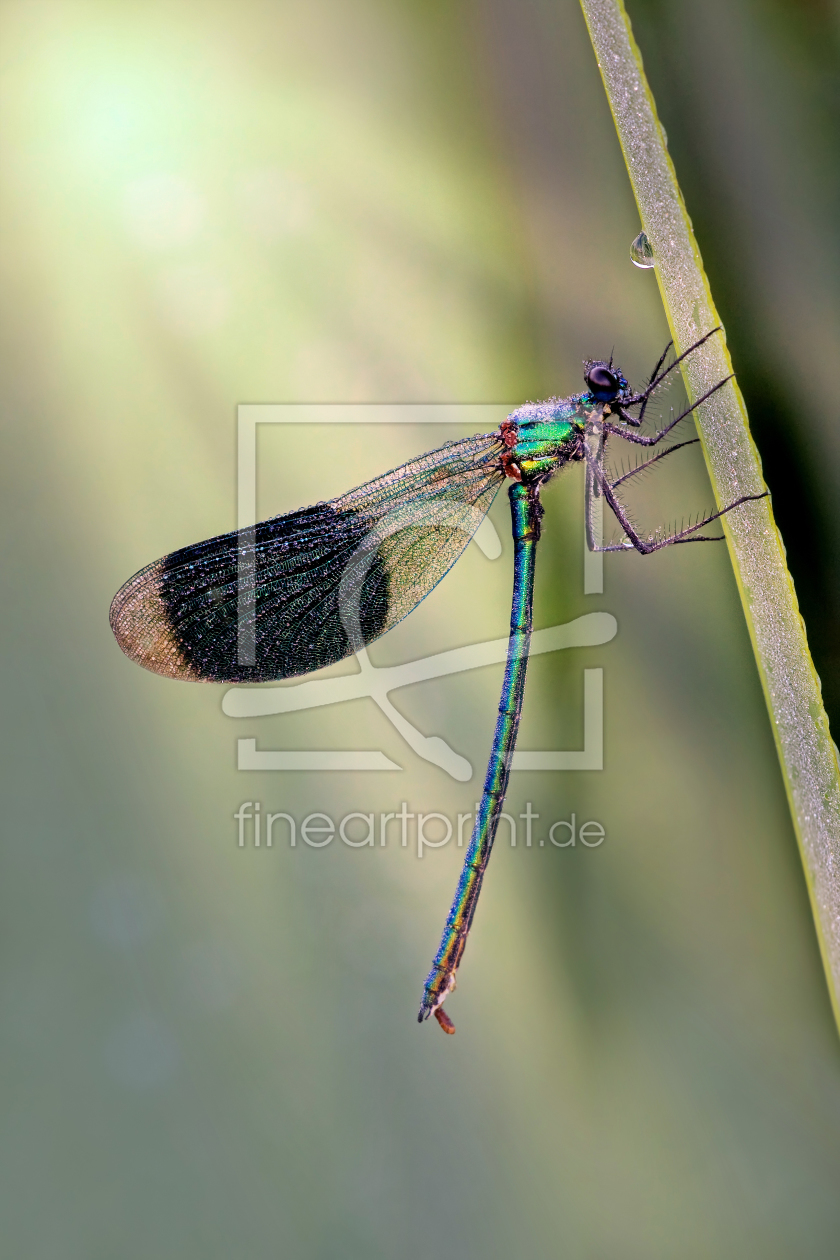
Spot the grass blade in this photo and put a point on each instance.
(808, 758)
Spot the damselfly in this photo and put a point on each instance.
(301, 591)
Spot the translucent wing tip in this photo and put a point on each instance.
(142, 627)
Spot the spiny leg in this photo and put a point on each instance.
(656, 381)
(654, 460)
(685, 535)
(637, 420)
(593, 488)
(641, 439)
(525, 512)
(595, 460)
(691, 535)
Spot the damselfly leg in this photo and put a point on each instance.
(599, 484)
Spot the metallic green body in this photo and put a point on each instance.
(525, 513)
(546, 442)
(541, 438)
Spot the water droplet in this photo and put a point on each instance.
(641, 252)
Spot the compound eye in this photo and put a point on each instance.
(601, 380)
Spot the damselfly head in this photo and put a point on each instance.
(604, 381)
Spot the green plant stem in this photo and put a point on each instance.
(807, 755)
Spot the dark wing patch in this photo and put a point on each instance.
(301, 591)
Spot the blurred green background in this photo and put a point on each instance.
(212, 1051)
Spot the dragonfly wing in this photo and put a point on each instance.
(301, 591)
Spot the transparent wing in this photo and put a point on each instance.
(300, 591)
